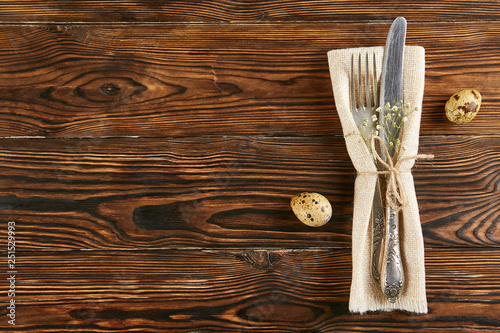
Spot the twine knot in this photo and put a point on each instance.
(395, 196)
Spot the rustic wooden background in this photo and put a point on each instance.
(149, 150)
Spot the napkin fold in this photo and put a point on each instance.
(365, 295)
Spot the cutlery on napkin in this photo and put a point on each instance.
(365, 295)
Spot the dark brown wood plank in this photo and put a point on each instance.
(244, 11)
(227, 192)
(240, 291)
(221, 79)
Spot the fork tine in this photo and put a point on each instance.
(352, 86)
(374, 83)
(360, 83)
(368, 102)
(364, 91)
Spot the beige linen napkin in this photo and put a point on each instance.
(365, 294)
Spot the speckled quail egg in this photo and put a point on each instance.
(312, 209)
(463, 106)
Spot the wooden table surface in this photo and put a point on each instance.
(149, 151)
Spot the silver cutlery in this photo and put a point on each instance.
(391, 98)
(364, 101)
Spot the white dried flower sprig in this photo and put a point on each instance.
(390, 120)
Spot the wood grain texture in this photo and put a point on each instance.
(149, 150)
(180, 80)
(240, 291)
(227, 192)
(126, 11)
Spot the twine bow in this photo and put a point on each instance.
(395, 196)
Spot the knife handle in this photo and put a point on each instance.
(392, 275)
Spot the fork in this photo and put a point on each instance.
(364, 102)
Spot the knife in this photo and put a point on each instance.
(391, 94)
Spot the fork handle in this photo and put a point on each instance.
(392, 274)
(378, 222)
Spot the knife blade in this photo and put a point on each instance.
(391, 81)
(391, 94)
